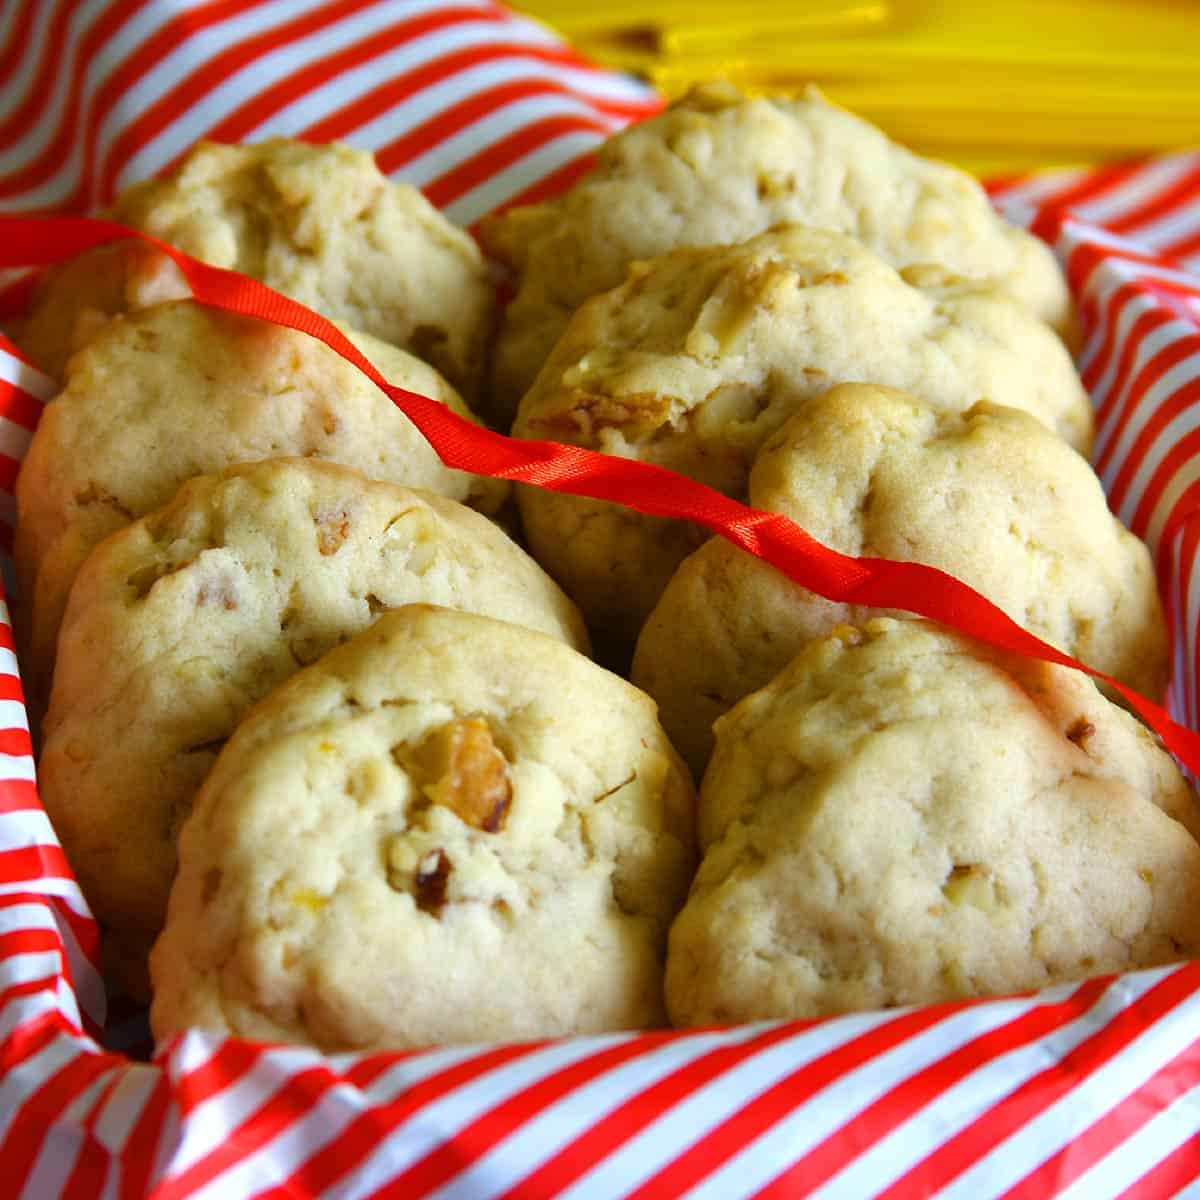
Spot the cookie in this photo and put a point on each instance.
(449, 830)
(902, 817)
(180, 390)
(318, 223)
(718, 168)
(701, 355)
(989, 496)
(183, 620)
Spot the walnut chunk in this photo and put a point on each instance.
(333, 528)
(467, 773)
(1079, 732)
(432, 878)
(636, 414)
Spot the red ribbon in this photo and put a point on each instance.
(877, 582)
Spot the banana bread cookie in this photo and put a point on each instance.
(180, 390)
(318, 223)
(989, 496)
(904, 817)
(449, 830)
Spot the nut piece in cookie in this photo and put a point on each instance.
(318, 223)
(181, 621)
(701, 355)
(717, 168)
(988, 495)
(467, 773)
(905, 817)
(180, 390)
(450, 829)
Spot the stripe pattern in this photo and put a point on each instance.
(1129, 239)
(1151, 204)
(466, 100)
(1086, 1090)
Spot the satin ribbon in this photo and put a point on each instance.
(876, 582)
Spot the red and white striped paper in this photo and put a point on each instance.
(1129, 237)
(1089, 1090)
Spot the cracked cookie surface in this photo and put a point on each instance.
(717, 168)
(182, 621)
(450, 829)
(904, 817)
(319, 223)
(180, 390)
(701, 355)
(989, 496)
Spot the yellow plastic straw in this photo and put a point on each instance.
(993, 86)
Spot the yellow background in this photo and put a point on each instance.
(995, 87)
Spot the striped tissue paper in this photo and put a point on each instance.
(1088, 1090)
